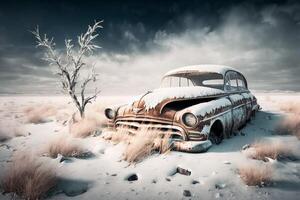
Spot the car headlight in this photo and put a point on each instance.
(110, 113)
(189, 119)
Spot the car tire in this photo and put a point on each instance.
(215, 138)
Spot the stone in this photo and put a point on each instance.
(132, 177)
(187, 193)
(183, 171)
(168, 179)
(246, 146)
(220, 186)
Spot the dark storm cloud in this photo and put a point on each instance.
(261, 38)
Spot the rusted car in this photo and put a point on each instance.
(201, 105)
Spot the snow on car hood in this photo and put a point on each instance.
(152, 99)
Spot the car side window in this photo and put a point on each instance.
(175, 81)
(227, 83)
(183, 82)
(241, 83)
(231, 83)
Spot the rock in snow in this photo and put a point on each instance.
(246, 146)
(187, 193)
(220, 186)
(226, 162)
(183, 171)
(168, 179)
(132, 177)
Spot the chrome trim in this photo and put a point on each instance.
(137, 125)
(143, 118)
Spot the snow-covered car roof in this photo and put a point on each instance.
(220, 69)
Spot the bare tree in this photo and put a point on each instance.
(70, 63)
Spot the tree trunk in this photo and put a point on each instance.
(82, 115)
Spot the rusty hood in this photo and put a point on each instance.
(152, 103)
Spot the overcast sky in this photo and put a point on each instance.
(142, 40)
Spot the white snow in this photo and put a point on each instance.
(220, 69)
(236, 97)
(213, 174)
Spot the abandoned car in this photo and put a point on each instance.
(201, 105)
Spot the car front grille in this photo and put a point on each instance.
(134, 125)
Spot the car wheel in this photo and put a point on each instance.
(215, 138)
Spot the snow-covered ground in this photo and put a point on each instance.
(104, 176)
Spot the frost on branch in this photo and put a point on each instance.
(71, 63)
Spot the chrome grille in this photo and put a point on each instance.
(134, 125)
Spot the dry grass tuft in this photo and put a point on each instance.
(274, 150)
(64, 147)
(63, 115)
(290, 107)
(120, 135)
(39, 113)
(28, 178)
(290, 125)
(10, 129)
(97, 116)
(144, 143)
(83, 128)
(256, 175)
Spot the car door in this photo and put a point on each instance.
(237, 99)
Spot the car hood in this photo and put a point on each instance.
(151, 100)
(153, 103)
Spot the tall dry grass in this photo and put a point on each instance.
(83, 127)
(28, 178)
(274, 150)
(117, 136)
(94, 113)
(65, 147)
(142, 144)
(290, 107)
(256, 174)
(10, 129)
(289, 125)
(39, 113)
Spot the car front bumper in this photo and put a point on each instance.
(192, 146)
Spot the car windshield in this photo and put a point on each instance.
(213, 80)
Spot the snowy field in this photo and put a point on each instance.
(29, 124)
